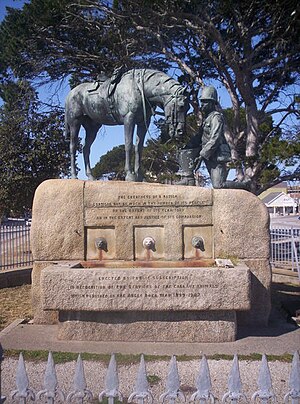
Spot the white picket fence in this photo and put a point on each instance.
(141, 394)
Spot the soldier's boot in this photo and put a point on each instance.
(186, 160)
(186, 180)
(246, 185)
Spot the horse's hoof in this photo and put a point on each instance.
(91, 178)
(130, 177)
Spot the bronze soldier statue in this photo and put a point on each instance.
(209, 146)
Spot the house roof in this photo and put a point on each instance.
(283, 184)
(279, 199)
(273, 195)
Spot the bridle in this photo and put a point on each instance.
(171, 120)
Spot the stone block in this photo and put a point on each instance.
(129, 208)
(57, 231)
(261, 277)
(67, 288)
(212, 326)
(40, 316)
(241, 225)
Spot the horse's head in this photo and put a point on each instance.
(176, 109)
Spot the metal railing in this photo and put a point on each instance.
(202, 393)
(285, 247)
(15, 246)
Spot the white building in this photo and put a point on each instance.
(280, 204)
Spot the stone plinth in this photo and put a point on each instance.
(178, 326)
(146, 304)
(185, 225)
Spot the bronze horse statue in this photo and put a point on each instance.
(128, 100)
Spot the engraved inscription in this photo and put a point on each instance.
(147, 207)
(144, 289)
(140, 286)
(146, 200)
(148, 213)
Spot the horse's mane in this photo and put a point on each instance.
(160, 78)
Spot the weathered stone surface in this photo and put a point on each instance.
(68, 215)
(145, 289)
(241, 225)
(40, 316)
(261, 277)
(126, 208)
(213, 326)
(57, 231)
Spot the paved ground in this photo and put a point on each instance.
(273, 340)
(280, 337)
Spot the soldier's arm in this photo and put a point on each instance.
(216, 131)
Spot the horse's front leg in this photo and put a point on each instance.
(91, 132)
(73, 158)
(140, 137)
(128, 132)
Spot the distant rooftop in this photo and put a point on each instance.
(268, 198)
(283, 184)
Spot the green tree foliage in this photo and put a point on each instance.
(111, 165)
(159, 157)
(250, 48)
(32, 147)
(54, 39)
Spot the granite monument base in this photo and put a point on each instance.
(146, 304)
(133, 262)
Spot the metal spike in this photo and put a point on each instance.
(23, 391)
(294, 382)
(22, 381)
(203, 384)
(141, 392)
(50, 380)
(80, 392)
(141, 381)
(173, 384)
(111, 382)
(234, 384)
(79, 378)
(51, 389)
(264, 382)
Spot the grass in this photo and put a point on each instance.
(16, 303)
(63, 357)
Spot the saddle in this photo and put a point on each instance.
(110, 86)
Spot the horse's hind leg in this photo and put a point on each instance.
(140, 137)
(91, 129)
(73, 133)
(128, 131)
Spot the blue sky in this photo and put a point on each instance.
(108, 137)
(9, 3)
